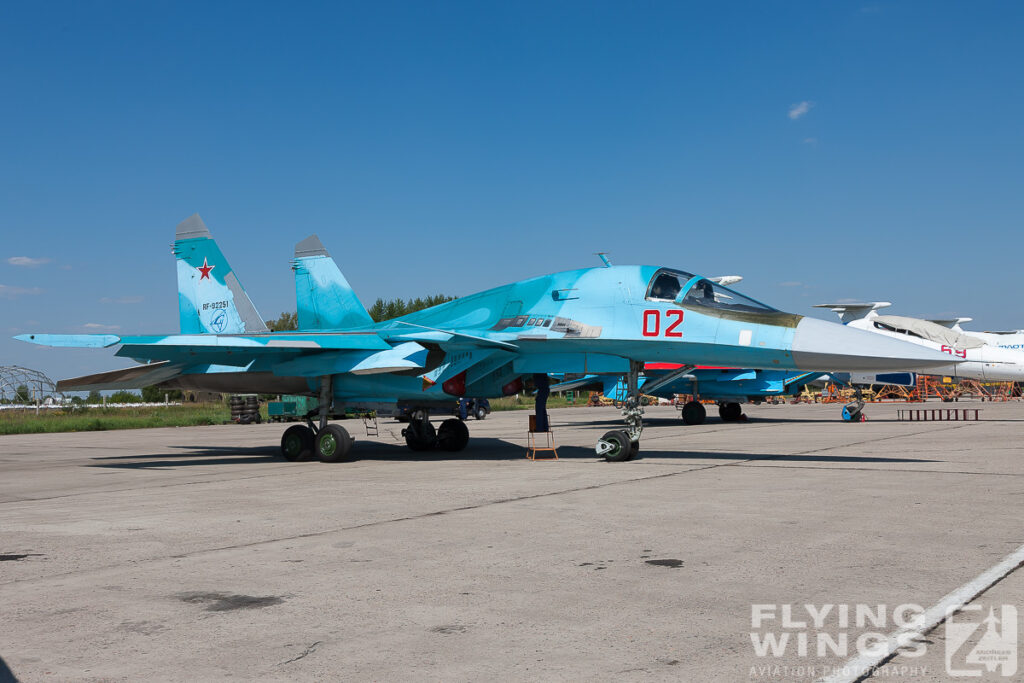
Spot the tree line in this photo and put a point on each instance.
(382, 309)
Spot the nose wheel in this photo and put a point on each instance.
(620, 445)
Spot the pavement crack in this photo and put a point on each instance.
(308, 651)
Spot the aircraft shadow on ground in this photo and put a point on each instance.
(6, 675)
(480, 449)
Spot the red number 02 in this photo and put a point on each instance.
(652, 322)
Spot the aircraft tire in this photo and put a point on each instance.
(480, 413)
(622, 449)
(730, 412)
(453, 435)
(694, 413)
(297, 443)
(634, 449)
(333, 444)
(420, 436)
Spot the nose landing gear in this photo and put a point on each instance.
(619, 445)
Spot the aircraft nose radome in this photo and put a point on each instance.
(820, 345)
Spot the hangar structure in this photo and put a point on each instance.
(26, 386)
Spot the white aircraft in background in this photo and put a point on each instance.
(1012, 339)
(986, 356)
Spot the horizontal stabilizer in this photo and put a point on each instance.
(239, 350)
(80, 341)
(129, 378)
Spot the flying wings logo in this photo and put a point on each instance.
(977, 644)
(219, 321)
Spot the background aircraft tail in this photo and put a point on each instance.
(210, 298)
(323, 296)
(855, 311)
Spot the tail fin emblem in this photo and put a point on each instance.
(205, 270)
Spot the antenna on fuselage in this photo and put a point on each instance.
(604, 258)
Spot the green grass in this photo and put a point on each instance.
(510, 403)
(102, 419)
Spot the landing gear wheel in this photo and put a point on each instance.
(420, 435)
(730, 412)
(615, 446)
(853, 413)
(297, 443)
(694, 413)
(453, 435)
(480, 413)
(634, 449)
(333, 444)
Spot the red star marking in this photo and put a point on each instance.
(205, 270)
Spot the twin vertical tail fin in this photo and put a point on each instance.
(210, 298)
(324, 298)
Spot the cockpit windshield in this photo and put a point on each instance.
(713, 295)
(666, 284)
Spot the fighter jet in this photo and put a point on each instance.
(603, 319)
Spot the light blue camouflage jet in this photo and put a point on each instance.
(607, 319)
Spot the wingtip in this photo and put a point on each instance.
(191, 228)
(311, 246)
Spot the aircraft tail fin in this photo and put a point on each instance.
(848, 312)
(211, 300)
(324, 299)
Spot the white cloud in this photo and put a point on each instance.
(799, 109)
(27, 261)
(9, 292)
(97, 327)
(810, 141)
(121, 300)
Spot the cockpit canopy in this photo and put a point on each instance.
(688, 290)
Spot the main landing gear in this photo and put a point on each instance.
(330, 443)
(730, 412)
(619, 445)
(693, 413)
(420, 435)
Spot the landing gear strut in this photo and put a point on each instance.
(330, 443)
(854, 411)
(623, 444)
(420, 434)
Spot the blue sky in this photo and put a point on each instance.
(864, 150)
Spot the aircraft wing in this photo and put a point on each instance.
(436, 335)
(129, 378)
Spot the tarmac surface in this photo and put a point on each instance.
(199, 554)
